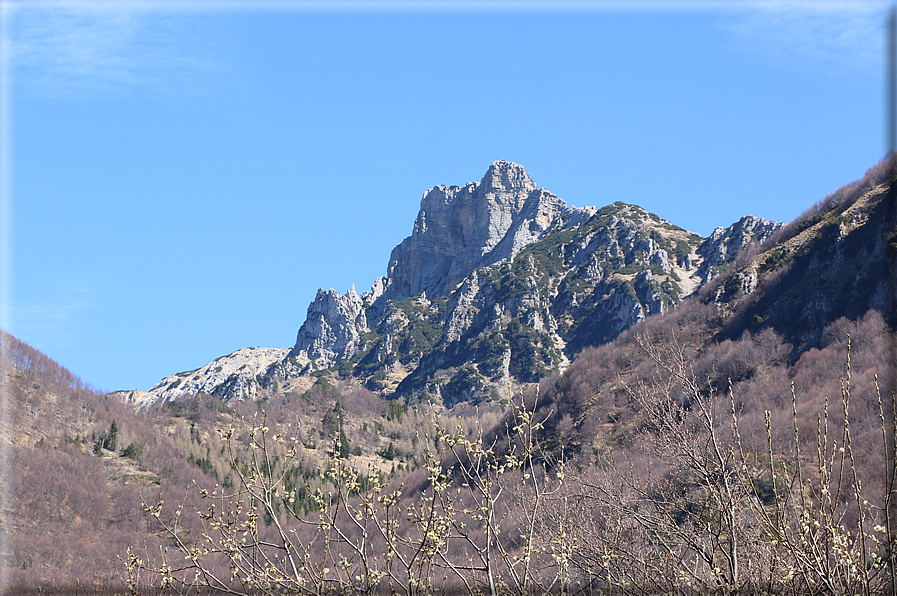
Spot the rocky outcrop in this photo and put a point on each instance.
(720, 249)
(136, 398)
(461, 228)
(236, 376)
(332, 329)
(834, 262)
(458, 229)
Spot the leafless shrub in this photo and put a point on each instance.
(691, 507)
(706, 487)
(366, 538)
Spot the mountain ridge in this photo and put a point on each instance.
(498, 275)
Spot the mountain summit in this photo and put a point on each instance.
(499, 282)
(460, 228)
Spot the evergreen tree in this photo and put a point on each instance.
(131, 452)
(330, 423)
(390, 452)
(111, 439)
(344, 447)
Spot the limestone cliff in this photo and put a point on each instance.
(461, 228)
(332, 329)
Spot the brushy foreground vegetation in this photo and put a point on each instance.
(658, 463)
(695, 500)
(83, 460)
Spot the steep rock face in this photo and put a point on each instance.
(523, 317)
(461, 228)
(458, 229)
(332, 328)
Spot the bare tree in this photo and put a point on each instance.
(368, 537)
(687, 508)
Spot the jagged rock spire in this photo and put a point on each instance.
(460, 228)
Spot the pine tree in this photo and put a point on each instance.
(344, 447)
(330, 423)
(111, 439)
(390, 452)
(131, 452)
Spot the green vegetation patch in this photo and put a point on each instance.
(490, 363)
(466, 385)
(423, 330)
(777, 258)
(363, 362)
(195, 407)
(530, 359)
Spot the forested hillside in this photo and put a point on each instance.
(82, 464)
(701, 451)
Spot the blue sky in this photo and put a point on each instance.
(180, 177)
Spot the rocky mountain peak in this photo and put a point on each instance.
(460, 228)
(332, 328)
(500, 273)
(506, 178)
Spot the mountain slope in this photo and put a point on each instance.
(783, 313)
(836, 260)
(759, 318)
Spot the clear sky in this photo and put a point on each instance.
(179, 178)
